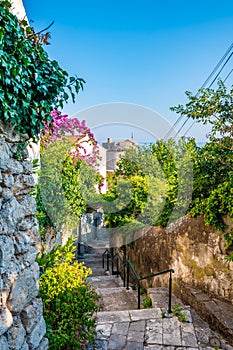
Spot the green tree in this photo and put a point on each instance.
(160, 180)
(213, 163)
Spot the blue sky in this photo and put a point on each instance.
(145, 53)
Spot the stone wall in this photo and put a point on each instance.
(22, 325)
(196, 252)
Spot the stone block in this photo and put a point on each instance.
(35, 337)
(12, 213)
(23, 291)
(8, 180)
(3, 344)
(21, 242)
(4, 160)
(137, 326)
(135, 346)
(16, 167)
(25, 346)
(171, 333)
(7, 194)
(188, 335)
(29, 205)
(16, 335)
(6, 252)
(117, 342)
(32, 314)
(135, 336)
(6, 320)
(116, 316)
(120, 328)
(154, 332)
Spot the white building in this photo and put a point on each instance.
(17, 8)
(114, 149)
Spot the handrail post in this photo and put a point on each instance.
(117, 263)
(103, 257)
(107, 261)
(170, 294)
(139, 296)
(124, 275)
(111, 256)
(127, 274)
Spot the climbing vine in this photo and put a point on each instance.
(31, 83)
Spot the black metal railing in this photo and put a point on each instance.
(127, 267)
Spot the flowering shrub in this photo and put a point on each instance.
(62, 127)
(69, 157)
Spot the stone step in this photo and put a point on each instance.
(159, 297)
(106, 281)
(118, 298)
(143, 329)
(97, 271)
(207, 337)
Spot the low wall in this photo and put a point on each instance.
(196, 252)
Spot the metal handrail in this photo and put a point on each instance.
(130, 266)
(116, 257)
(109, 255)
(127, 263)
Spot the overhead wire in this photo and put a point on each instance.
(203, 85)
(227, 76)
(210, 87)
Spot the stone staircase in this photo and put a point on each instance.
(121, 326)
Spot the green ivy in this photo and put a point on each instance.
(31, 83)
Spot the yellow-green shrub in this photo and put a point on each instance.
(69, 301)
(62, 277)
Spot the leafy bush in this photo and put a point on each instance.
(154, 185)
(57, 255)
(69, 305)
(69, 302)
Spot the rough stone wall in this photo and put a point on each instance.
(196, 252)
(22, 325)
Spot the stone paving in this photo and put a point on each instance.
(143, 329)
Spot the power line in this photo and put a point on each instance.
(221, 70)
(203, 85)
(194, 122)
(227, 76)
(218, 65)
